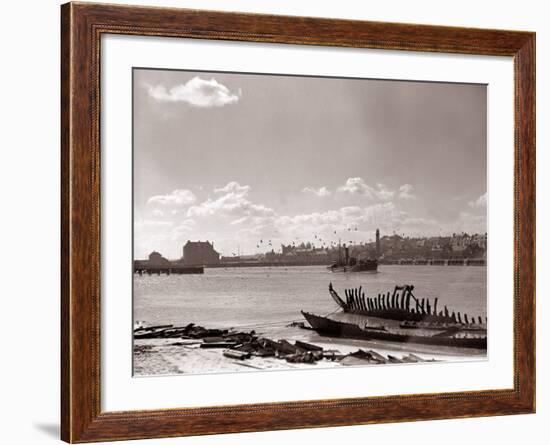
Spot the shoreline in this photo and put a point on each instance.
(169, 350)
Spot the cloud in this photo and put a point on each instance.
(185, 227)
(320, 192)
(469, 223)
(234, 187)
(405, 192)
(479, 202)
(177, 197)
(232, 202)
(341, 219)
(357, 186)
(149, 223)
(197, 92)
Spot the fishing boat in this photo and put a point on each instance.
(347, 263)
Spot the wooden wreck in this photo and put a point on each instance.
(401, 317)
(401, 305)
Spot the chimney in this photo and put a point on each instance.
(377, 243)
(346, 251)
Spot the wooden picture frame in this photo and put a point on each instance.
(82, 26)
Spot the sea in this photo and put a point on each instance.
(269, 300)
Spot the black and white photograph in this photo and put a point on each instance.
(285, 222)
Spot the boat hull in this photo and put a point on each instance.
(368, 266)
(334, 328)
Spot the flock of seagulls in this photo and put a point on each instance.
(317, 241)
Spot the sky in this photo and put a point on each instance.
(250, 161)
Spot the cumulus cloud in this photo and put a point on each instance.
(176, 197)
(357, 186)
(197, 92)
(320, 192)
(479, 202)
(234, 187)
(343, 217)
(405, 192)
(232, 202)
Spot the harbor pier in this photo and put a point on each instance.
(174, 269)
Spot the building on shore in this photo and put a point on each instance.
(157, 260)
(200, 253)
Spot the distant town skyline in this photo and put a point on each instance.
(251, 162)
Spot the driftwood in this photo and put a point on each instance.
(241, 346)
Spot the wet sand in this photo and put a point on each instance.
(173, 356)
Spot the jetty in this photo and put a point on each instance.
(434, 262)
(150, 269)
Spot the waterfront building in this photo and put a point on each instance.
(157, 260)
(200, 253)
(460, 242)
(480, 240)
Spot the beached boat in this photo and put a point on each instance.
(452, 336)
(402, 305)
(400, 317)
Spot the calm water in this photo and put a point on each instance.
(267, 299)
